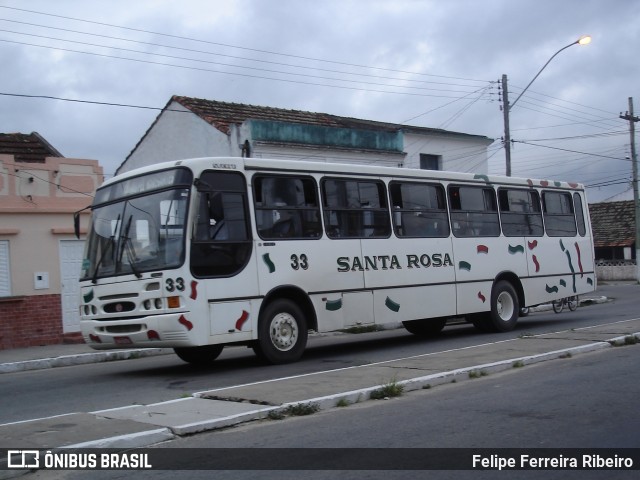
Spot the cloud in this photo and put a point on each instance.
(389, 61)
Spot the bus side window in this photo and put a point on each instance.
(419, 210)
(559, 218)
(355, 208)
(474, 212)
(520, 212)
(582, 226)
(286, 207)
(221, 240)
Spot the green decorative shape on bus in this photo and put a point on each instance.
(87, 297)
(549, 289)
(563, 283)
(573, 270)
(561, 245)
(462, 265)
(557, 184)
(480, 176)
(391, 305)
(333, 305)
(268, 262)
(590, 281)
(517, 249)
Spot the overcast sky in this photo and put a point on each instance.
(431, 63)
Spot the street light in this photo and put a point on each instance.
(583, 40)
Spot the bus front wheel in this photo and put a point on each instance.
(199, 355)
(425, 327)
(282, 332)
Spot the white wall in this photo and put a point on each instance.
(327, 155)
(178, 135)
(458, 154)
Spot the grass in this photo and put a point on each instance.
(389, 390)
(297, 410)
(477, 373)
(518, 364)
(628, 340)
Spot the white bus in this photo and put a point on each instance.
(201, 253)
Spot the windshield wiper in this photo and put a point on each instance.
(112, 242)
(127, 245)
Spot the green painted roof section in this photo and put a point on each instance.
(285, 132)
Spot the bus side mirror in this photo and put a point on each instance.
(76, 224)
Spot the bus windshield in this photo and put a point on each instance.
(137, 233)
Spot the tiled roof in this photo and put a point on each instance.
(223, 114)
(613, 224)
(27, 147)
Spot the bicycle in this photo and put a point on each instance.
(571, 302)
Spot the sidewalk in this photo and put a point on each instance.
(143, 425)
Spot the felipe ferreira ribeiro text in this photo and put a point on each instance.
(531, 462)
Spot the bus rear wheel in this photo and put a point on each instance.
(282, 332)
(504, 313)
(505, 308)
(204, 355)
(426, 327)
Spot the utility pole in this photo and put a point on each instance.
(507, 132)
(634, 161)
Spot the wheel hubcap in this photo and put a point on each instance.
(505, 306)
(284, 332)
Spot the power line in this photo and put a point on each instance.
(246, 75)
(568, 150)
(180, 37)
(109, 104)
(191, 50)
(231, 65)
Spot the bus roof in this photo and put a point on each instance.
(263, 164)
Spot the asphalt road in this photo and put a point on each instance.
(37, 394)
(588, 401)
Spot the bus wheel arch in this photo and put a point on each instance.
(204, 355)
(507, 295)
(286, 316)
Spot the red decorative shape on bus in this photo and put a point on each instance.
(532, 244)
(482, 297)
(183, 321)
(535, 261)
(194, 290)
(241, 321)
(483, 249)
(573, 185)
(544, 183)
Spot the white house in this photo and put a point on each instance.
(190, 127)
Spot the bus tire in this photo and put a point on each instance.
(282, 332)
(204, 355)
(481, 321)
(505, 308)
(425, 327)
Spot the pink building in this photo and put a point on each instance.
(39, 254)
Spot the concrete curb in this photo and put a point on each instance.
(81, 359)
